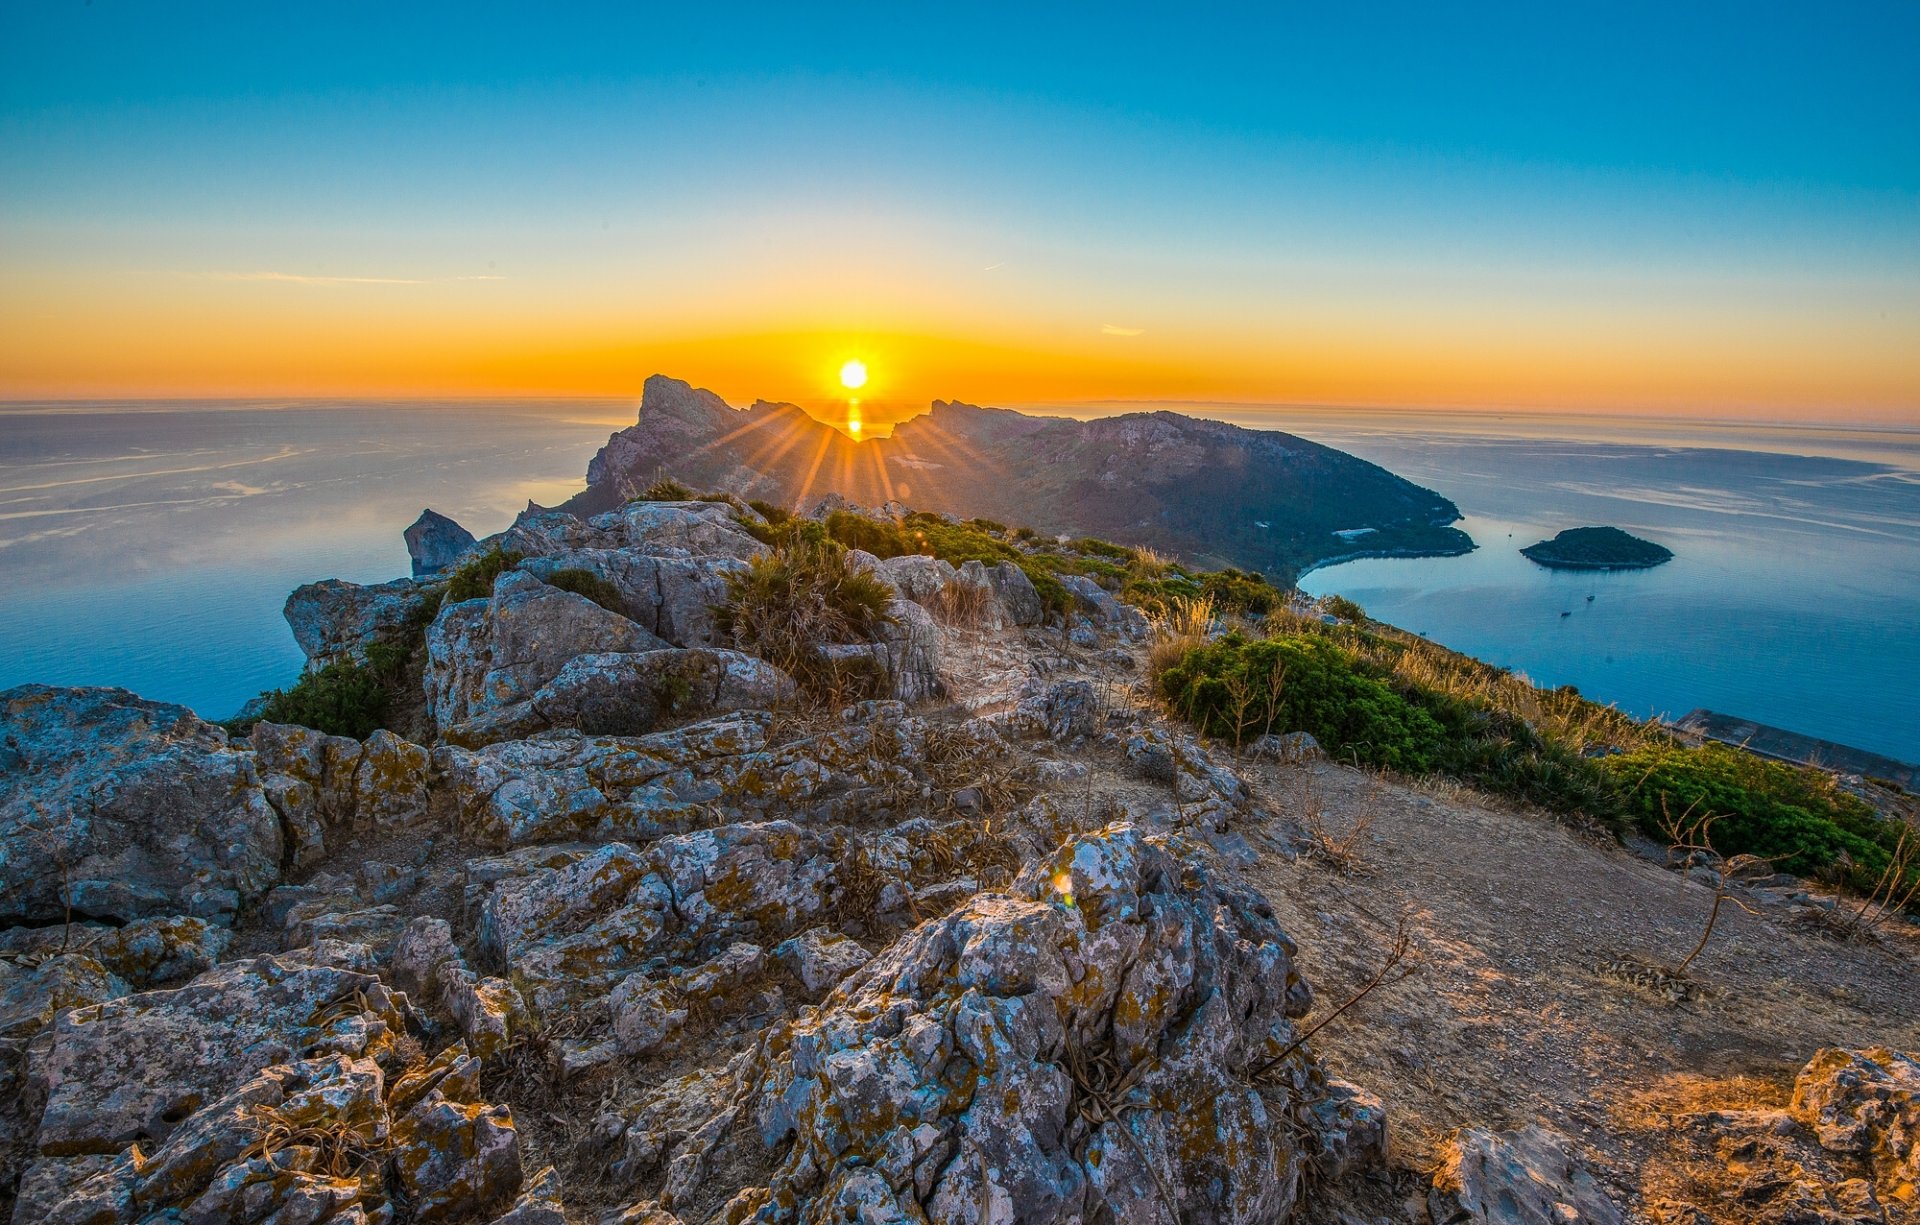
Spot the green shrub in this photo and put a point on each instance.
(1345, 609)
(799, 597)
(473, 578)
(1102, 548)
(590, 585)
(1795, 817)
(345, 698)
(664, 489)
(772, 514)
(1238, 689)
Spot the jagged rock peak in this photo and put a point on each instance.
(435, 542)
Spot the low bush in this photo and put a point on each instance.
(1345, 609)
(345, 698)
(590, 585)
(1795, 817)
(1238, 689)
(664, 489)
(771, 513)
(1362, 710)
(473, 578)
(799, 597)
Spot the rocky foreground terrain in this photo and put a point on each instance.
(632, 930)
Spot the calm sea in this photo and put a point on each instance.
(152, 545)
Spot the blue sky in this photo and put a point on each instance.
(1438, 174)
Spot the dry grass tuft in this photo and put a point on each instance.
(1342, 853)
(343, 1149)
(959, 758)
(1185, 624)
(964, 606)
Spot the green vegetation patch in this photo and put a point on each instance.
(1356, 692)
(801, 596)
(345, 698)
(1239, 688)
(588, 584)
(1793, 816)
(473, 578)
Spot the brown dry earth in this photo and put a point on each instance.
(1508, 1018)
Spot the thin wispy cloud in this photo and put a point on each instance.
(295, 278)
(991, 267)
(1114, 329)
(299, 278)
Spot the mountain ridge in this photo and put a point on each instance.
(1200, 489)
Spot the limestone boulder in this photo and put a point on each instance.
(335, 620)
(1019, 600)
(486, 654)
(625, 694)
(1866, 1104)
(906, 655)
(116, 808)
(435, 542)
(455, 1156)
(1524, 1177)
(145, 953)
(680, 529)
(213, 1165)
(1065, 710)
(545, 533)
(571, 933)
(558, 787)
(917, 578)
(321, 784)
(673, 597)
(1083, 1048)
(130, 1069)
(820, 958)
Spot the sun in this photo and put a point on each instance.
(853, 375)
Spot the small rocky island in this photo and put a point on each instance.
(1597, 548)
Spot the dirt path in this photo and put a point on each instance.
(1508, 1019)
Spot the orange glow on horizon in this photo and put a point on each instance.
(59, 346)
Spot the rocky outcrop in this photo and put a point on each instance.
(635, 910)
(565, 786)
(319, 783)
(435, 543)
(1525, 1177)
(1108, 1042)
(116, 808)
(486, 654)
(616, 694)
(295, 1105)
(335, 620)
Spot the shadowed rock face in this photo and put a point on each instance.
(124, 808)
(1200, 489)
(435, 542)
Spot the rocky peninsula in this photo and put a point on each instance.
(647, 903)
(1219, 494)
(1597, 548)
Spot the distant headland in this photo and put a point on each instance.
(1597, 548)
(1204, 491)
